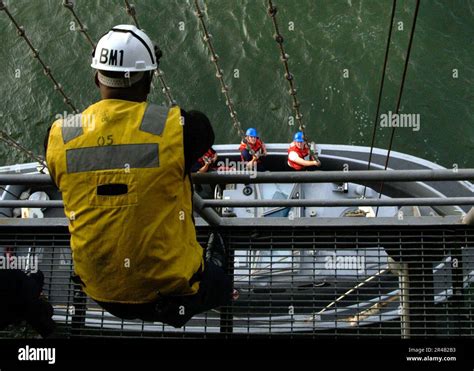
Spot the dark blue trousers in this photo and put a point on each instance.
(215, 290)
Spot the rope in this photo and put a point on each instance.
(69, 4)
(46, 69)
(164, 87)
(284, 57)
(6, 138)
(219, 72)
(376, 119)
(400, 93)
(131, 11)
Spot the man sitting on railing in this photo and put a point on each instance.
(298, 151)
(123, 169)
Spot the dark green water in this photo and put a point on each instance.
(328, 37)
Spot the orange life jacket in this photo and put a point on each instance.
(302, 153)
(256, 148)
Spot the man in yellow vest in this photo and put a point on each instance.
(123, 169)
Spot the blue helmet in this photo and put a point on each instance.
(251, 132)
(299, 137)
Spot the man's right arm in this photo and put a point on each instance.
(45, 141)
(198, 136)
(293, 156)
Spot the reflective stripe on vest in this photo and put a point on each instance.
(112, 157)
(71, 127)
(154, 119)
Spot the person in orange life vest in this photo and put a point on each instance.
(297, 152)
(252, 149)
(126, 180)
(206, 163)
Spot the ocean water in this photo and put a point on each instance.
(324, 38)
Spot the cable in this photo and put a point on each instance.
(376, 119)
(131, 11)
(10, 193)
(46, 69)
(68, 4)
(6, 138)
(400, 93)
(272, 11)
(219, 72)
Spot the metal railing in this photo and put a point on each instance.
(206, 207)
(244, 177)
(373, 280)
(288, 177)
(310, 278)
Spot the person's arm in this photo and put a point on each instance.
(293, 156)
(198, 137)
(46, 140)
(246, 155)
(314, 157)
(204, 169)
(251, 163)
(196, 167)
(48, 160)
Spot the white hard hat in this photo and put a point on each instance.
(125, 48)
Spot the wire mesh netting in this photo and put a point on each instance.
(306, 282)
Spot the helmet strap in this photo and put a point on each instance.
(119, 82)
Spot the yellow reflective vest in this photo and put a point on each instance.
(120, 168)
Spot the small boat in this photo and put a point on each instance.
(327, 282)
